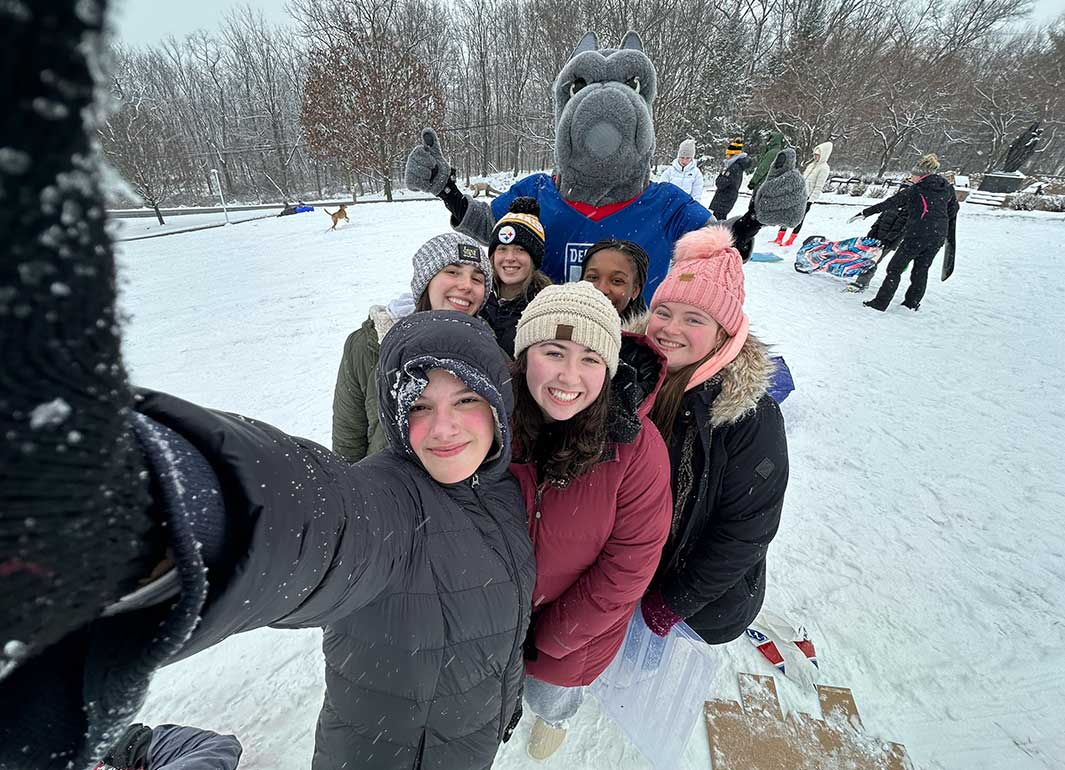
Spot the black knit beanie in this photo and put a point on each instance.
(520, 226)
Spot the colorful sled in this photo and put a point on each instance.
(845, 260)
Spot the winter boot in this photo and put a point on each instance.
(875, 305)
(779, 240)
(545, 739)
(915, 307)
(790, 240)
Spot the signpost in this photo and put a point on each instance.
(217, 184)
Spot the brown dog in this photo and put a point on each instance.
(484, 187)
(341, 213)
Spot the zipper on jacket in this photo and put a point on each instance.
(519, 637)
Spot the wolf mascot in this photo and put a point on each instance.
(601, 188)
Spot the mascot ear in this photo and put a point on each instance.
(588, 43)
(632, 40)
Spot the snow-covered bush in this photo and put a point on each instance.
(1022, 202)
(859, 189)
(1031, 202)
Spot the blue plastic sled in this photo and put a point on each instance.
(302, 209)
(765, 256)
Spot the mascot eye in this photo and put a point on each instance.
(576, 85)
(634, 84)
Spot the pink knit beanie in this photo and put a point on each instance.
(707, 273)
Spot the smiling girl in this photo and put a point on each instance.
(516, 251)
(451, 272)
(595, 475)
(727, 447)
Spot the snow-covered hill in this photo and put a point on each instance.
(922, 536)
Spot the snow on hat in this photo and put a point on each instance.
(707, 273)
(929, 164)
(577, 312)
(686, 149)
(443, 250)
(521, 227)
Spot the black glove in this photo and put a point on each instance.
(130, 752)
(75, 534)
(743, 231)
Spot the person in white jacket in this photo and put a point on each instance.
(684, 173)
(816, 175)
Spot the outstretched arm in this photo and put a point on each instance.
(428, 170)
(102, 490)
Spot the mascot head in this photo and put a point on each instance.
(604, 132)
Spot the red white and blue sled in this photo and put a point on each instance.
(845, 260)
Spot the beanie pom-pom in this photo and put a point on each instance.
(525, 205)
(704, 243)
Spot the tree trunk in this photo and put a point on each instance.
(388, 187)
(158, 214)
(318, 178)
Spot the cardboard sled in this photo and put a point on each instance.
(756, 736)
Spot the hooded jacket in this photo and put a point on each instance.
(818, 171)
(598, 540)
(689, 178)
(931, 214)
(357, 431)
(728, 185)
(729, 464)
(423, 590)
(761, 171)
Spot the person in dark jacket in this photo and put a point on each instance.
(888, 229)
(777, 142)
(516, 251)
(931, 217)
(728, 185)
(619, 270)
(450, 272)
(139, 529)
(728, 451)
(595, 475)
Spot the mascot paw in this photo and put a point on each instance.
(427, 170)
(781, 200)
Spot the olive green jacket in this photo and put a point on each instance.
(357, 430)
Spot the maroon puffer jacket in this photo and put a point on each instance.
(598, 541)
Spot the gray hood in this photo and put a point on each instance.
(458, 343)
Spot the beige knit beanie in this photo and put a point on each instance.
(577, 312)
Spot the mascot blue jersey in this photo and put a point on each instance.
(655, 220)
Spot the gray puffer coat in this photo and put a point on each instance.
(423, 590)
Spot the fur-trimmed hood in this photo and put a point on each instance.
(743, 382)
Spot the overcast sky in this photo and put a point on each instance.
(146, 22)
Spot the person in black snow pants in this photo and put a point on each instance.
(137, 529)
(931, 217)
(888, 229)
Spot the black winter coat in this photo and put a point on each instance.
(728, 186)
(931, 211)
(890, 225)
(503, 315)
(729, 461)
(423, 590)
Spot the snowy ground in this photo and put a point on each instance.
(921, 540)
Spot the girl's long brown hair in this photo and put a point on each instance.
(670, 395)
(561, 451)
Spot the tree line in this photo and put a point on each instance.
(330, 103)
